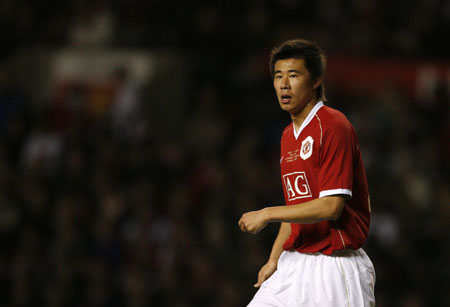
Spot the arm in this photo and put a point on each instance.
(283, 235)
(270, 267)
(314, 211)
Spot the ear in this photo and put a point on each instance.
(317, 83)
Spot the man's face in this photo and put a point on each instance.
(293, 84)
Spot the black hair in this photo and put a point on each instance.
(310, 52)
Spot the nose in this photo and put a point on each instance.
(284, 84)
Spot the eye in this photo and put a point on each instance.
(278, 77)
(293, 76)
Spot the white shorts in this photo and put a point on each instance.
(346, 278)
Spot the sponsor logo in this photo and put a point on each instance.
(307, 148)
(296, 185)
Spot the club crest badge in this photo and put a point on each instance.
(307, 148)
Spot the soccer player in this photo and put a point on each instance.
(316, 259)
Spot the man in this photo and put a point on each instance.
(316, 259)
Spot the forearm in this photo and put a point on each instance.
(317, 210)
(277, 248)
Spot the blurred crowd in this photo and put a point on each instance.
(370, 27)
(120, 206)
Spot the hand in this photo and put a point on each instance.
(265, 272)
(253, 221)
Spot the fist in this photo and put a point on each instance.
(253, 221)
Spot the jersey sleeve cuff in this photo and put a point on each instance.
(335, 192)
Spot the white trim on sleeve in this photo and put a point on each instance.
(335, 192)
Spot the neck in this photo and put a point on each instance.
(300, 117)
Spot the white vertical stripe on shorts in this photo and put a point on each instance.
(346, 278)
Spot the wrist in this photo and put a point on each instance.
(273, 261)
(267, 213)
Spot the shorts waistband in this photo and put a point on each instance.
(338, 253)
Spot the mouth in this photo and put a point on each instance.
(285, 98)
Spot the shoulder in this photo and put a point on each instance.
(287, 129)
(333, 120)
(287, 135)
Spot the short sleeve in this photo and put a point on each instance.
(336, 160)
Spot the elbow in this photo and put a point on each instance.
(335, 208)
(336, 213)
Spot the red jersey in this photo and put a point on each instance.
(322, 159)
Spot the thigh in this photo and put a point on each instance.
(265, 298)
(274, 291)
(360, 279)
(269, 294)
(345, 280)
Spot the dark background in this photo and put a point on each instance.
(134, 134)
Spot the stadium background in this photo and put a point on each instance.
(135, 133)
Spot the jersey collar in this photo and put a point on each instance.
(308, 118)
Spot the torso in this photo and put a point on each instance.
(310, 169)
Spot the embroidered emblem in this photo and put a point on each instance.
(292, 156)
(307, 148)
